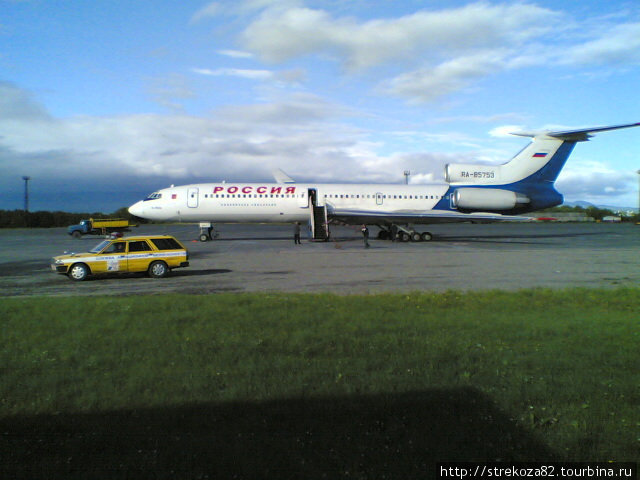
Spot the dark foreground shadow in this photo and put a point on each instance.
(251, 239)
(200, 272)
(179, 272)
(394, 436)
(288, 238)
(517, 238)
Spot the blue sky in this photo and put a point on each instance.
(103, 102)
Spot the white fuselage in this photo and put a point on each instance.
(473, 192)
(277, 202)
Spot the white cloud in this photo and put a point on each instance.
(432, 53)
(170, 90)
(505, 131)
(619, 44)
(290, 77)
(245, 7)
(210, 10)
(279, 35)
(18, 104)
(303, 134)
(236, 72)
(593, 181)
(428, 84)
(298, 133)
(447, 50)
(435, 53)
(249, 6)
(424, 167)
(235, 53)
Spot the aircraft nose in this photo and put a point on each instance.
(137, 209)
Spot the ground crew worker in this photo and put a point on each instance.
(296, 234)
(365, 236)
(394, 232)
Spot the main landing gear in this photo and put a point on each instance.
(403, 234)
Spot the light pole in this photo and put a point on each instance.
(26, 192)
(638, 172)
(406, 177)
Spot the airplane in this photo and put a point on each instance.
(471, 193)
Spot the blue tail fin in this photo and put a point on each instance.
(524, 183)
(539, 162)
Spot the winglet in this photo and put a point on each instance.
(282, 177)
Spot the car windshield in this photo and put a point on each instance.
(98, 248)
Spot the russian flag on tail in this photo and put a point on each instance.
(539, 155)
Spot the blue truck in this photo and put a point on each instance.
(99, 226)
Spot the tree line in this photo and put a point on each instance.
(594, 212)
(46, 219)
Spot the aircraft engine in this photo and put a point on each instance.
(487, 199)
(461, 173)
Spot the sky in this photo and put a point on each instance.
(105, 101)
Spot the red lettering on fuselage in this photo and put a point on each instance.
(250, 189)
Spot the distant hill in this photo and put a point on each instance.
(584, 204)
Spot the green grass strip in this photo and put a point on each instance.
(563, 365)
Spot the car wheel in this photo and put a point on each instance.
(76, 234)
(78, 272)
(158, 269)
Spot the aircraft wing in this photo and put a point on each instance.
(353, 216)
(282, 177)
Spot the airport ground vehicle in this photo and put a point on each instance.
(99, 226)
(154, 254)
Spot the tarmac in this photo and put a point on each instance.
(263, 258)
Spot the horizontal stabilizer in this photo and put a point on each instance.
(580, 135)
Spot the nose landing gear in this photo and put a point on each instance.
(207, 232)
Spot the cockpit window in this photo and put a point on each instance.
(153, 196)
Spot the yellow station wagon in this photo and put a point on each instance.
(154, 254)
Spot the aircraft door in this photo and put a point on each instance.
(303, 202)
(192, 197)
(313, 197)
(379, 198)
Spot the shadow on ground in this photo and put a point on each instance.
(200, 272)
(525, 238)
(399, 436)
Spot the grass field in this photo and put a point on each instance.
(307, 386)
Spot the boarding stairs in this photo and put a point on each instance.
(318, 220)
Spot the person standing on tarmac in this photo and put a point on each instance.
(296, 234)
(394, 233)
(365, 236)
